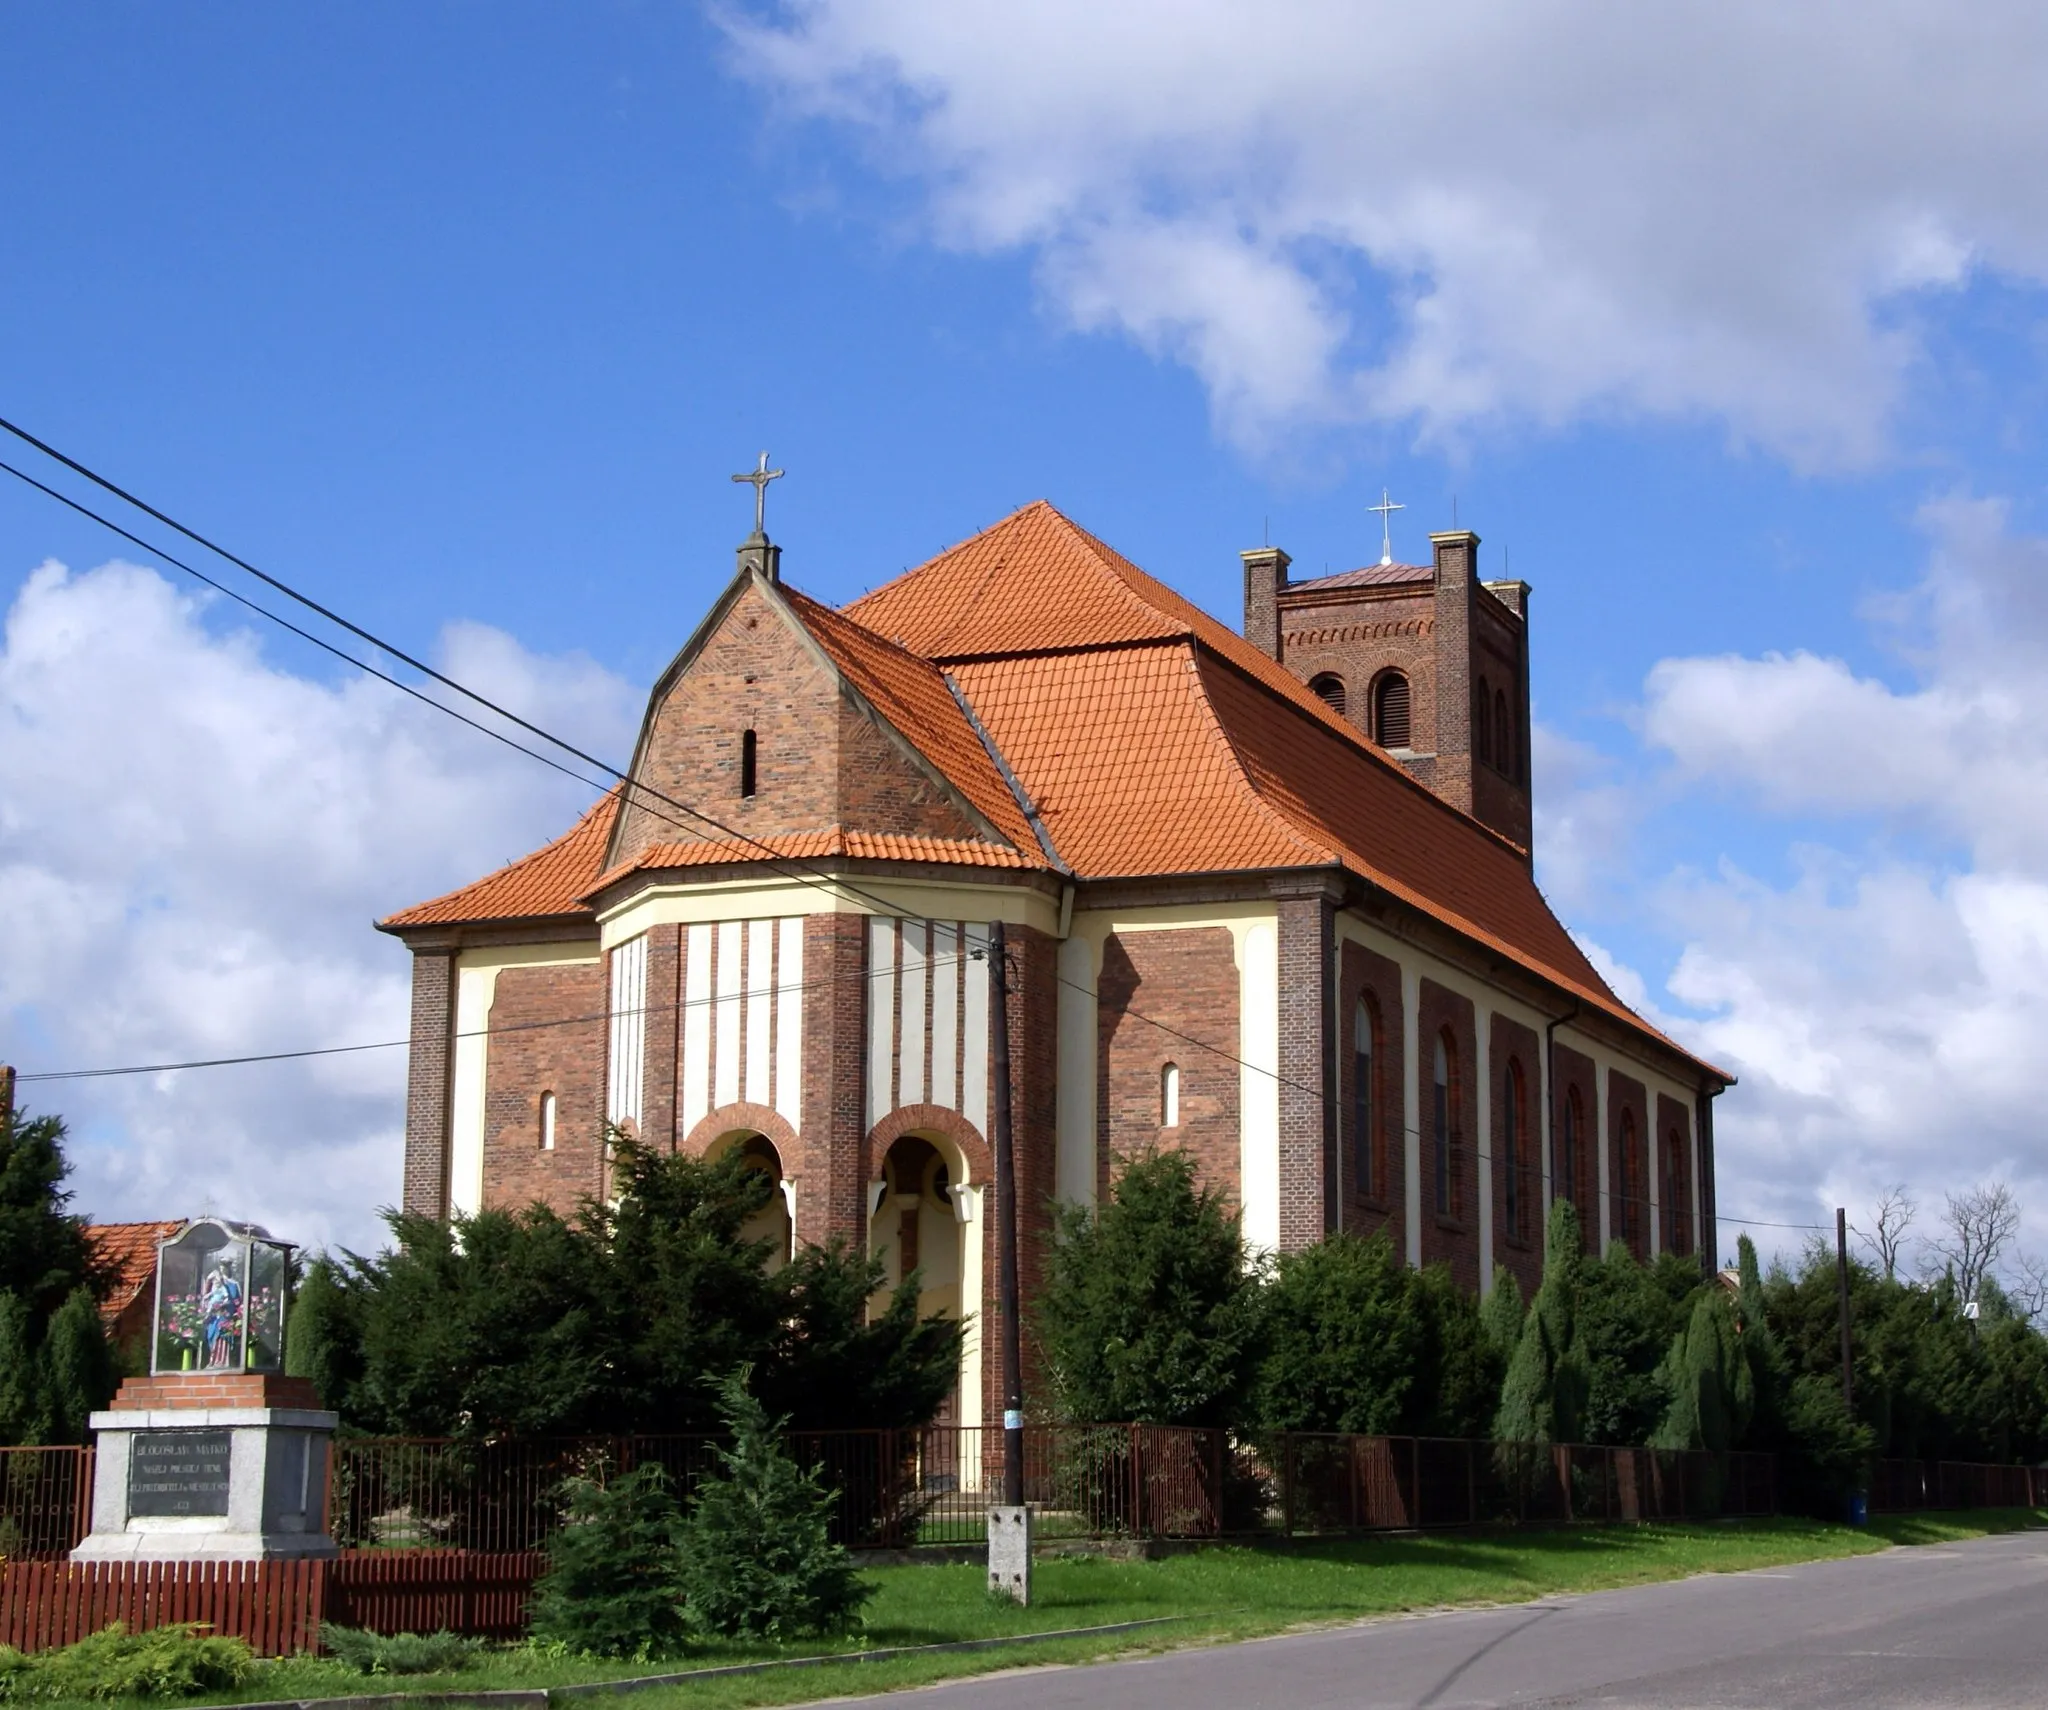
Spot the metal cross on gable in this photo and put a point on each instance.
(758, 478)
(1385, 510)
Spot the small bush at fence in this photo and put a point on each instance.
(399, 1653)
(610, 1589)
(756, 1556)
(166, 1662)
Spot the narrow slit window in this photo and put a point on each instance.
(1442, 1125)
(1169, 1096)
(1365, 1174)
(547, 1122)
(749, 772)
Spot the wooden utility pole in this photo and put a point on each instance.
(6, 1095)
(1842, 1287)
(1006, 1230)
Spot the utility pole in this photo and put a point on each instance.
(1842, 1287)
(6, 1095)
(1009, 1523)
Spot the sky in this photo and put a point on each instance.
(1723, 326)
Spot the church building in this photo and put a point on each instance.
(1268, 897)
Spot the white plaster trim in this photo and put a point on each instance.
(974, 1059)
(910, 1045)
(789, 1023)
(881, 1087)
(1482, 1028)
(725, 1015)
(754, 898)
(945, 979)
(1078, 1072)
(760, 986)
(1411, 1102)
(696, 1026)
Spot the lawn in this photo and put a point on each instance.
(1217, 1594)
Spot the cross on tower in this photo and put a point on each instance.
(758, 478)
(1385, 510)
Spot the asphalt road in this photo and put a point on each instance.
(1956, 1625)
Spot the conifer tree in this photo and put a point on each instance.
(756, 1558)
(78, 1375)
(610, 1586)
(1504, 1314)
(1545, 1393)
(24, 1416)
(1707, 1373)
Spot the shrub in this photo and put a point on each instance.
(166, 1662)
(756, 1558)
(610, 1588)
(1148, 1311)
(399, 1653)
(1343, 1338)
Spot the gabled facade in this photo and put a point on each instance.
(1237, 923)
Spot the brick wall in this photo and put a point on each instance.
(1449, 1239)
(523, 1062)
(1574, 1078)
(1375, 979)
(1186, 978)
(661, 1091)
(819, 760)
(1308, 1092)
(1628, 1162)
(832, 1166)
(1355, 639)
(428, 1073)
(1514, 1068)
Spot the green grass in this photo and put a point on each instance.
(1222, 1594)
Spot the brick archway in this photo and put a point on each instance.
(731, 1119)
(932, 1119)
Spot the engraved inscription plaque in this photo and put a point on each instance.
(178, 1472)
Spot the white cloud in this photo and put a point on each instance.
(194, 842)
(1884, 1006)
(1459, 213)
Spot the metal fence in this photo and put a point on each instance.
(1899, 1487)
(45, 1502)
(1330, 1483)
(896, 1489)
(892, 1488)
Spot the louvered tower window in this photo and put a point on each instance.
(1330, 687)
(1390, 711)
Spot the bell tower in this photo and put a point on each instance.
(1428, 661)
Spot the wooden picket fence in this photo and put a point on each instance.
(276, 1606)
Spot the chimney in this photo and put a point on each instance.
(1265, 574)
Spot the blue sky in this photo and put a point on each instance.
(460, 316)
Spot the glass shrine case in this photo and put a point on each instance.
(220, 1299)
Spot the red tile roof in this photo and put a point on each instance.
(835, 841)
(911, 694)
(1151, 739)
(127, 1252)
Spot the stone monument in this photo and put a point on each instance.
(216, 1455)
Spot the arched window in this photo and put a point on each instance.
(1446, 1083)
(1507, 743)
(1482, 727)
(547, 1122)
(1566, 1164)
(1364, 1102)
(1629, 1209)
(1677, 1195)
(1330, 688)
(1169, 1096)
(1390, 711)
(749, 753)
(1511, 1149)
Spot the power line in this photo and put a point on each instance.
(789, 867)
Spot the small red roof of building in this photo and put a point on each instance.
(127, 1253)
(551, 881)
(1369, 576)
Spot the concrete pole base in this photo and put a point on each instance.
(1009, 1552)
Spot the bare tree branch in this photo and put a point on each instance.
(1890, 1220)
(2029, 1287)
(1977, 1226)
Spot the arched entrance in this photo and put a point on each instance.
(771, 1224)
(924, 1217)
